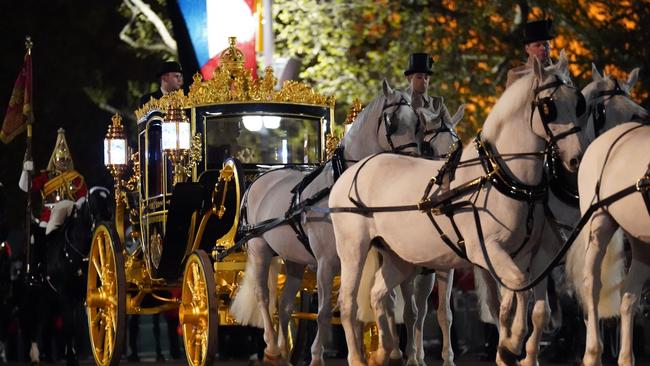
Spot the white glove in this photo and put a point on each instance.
(28, 166)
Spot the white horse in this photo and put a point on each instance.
(416, 289)
(387, 123)
(514, 127)
(613, 160)
(608, 104)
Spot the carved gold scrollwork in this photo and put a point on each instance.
(231, 82)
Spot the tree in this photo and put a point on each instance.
(348, 47)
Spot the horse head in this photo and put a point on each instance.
(388, 123)
(609, 102)
(557, 107)
(88, 212)
(439, 134)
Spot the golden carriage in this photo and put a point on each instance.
(178, 199)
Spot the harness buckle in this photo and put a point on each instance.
(643, 184)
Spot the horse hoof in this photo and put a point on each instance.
(527, 362)
(506, 357)
(274, 360)
(413, 362)
(317, 362)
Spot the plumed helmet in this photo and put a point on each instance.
(61, 159)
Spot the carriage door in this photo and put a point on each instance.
(155, 189)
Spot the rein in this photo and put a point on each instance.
(298, 207)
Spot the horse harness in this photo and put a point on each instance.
(495, 173)
(298, 206)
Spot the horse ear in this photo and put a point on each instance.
(458, 116)
(538, 69)
(563, 62)
(387, 90)
(632, 78)
(595, 74)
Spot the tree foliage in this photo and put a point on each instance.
(348, 47)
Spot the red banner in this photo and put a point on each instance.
(20, 108)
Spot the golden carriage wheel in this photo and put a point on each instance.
(198, 310)
(106, 296)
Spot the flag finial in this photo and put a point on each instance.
(29, 44)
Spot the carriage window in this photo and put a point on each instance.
(262, 139)
(152, 163)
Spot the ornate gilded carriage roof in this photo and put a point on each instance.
(232, 83)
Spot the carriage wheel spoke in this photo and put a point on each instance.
(100, 250)
(98, 269)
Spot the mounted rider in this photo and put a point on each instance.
(417, 73)
(537, 36)
(57, 183)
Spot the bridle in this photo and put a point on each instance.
(427, 150)
(390, 123)
(598, 110)
(548, 110)
(548, 114)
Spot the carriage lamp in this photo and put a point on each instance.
(115, 152)
(115, 143)
(183, 150)
(175, 131)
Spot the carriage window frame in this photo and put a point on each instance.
(202, 115)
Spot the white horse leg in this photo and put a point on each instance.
(445, 282)
(510, 334)
(259, 254)
(601, 228)
(325, 275)
(396, 356)
(294, 272)
(392, 272)
(34, 354)
(540, 316)
(353, 252)
(410, 320)
(638, 274)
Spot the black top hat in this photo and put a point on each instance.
(540, 30)
(419, 62)
(169, 66)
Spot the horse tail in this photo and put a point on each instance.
(488, 295)
(244, 305)
(611, 276)
(365, 313)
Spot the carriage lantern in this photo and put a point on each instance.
(176, 139)
(175, 131)
(115, 145)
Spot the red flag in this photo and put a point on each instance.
(19, 110)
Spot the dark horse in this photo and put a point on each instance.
(62, 262)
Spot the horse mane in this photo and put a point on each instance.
(511, 101)
(358, 122)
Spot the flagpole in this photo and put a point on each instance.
(28, 157)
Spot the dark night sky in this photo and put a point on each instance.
(76, 46)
